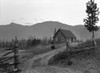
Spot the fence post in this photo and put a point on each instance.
(5, 64)
(68, 53)
(16, 69)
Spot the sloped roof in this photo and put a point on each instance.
(66, 33)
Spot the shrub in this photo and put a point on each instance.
(52, 47)
(58, 57)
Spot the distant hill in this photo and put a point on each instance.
(40, 30)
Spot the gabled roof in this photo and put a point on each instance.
(65, 33)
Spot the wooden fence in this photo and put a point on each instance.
(8, 66)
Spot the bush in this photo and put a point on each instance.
(53, 47)
(98, 42)
(58, 57)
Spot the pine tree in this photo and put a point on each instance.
(92, 18)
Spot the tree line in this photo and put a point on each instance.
(25, 43)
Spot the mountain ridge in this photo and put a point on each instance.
(40, 30)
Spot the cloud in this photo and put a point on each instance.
(21, 18)
(67, 11)
(28, 23)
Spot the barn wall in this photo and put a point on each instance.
(59, 38)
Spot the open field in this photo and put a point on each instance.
(32, 61)
(88, 64)
(80, 65)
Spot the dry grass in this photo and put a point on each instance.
(82, 63)
(33, 51)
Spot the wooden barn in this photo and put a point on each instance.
(63, 36)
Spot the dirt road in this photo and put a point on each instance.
(50, 69)
(38, 64)
(41, 60)
(43, 57)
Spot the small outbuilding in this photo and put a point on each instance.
(63, 36)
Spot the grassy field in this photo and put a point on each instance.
(80, 63)
(33, 51)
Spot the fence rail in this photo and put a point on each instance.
(10, 67)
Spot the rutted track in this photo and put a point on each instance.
(39, 63)
(48, 69)
(41, 59)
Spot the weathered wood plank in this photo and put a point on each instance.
(8, 53)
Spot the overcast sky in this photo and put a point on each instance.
(28, 12)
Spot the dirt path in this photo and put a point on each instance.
(41, 59)
(51, 69)
(85, 65)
